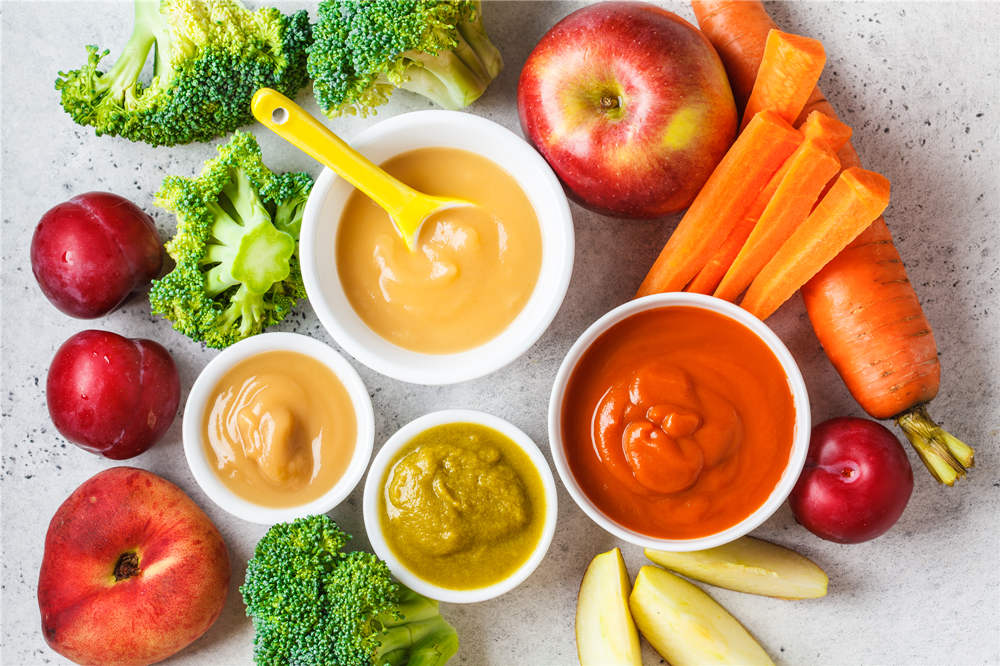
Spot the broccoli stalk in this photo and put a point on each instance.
(237, 233)
(210, 58)
(414, 633)
(312, 604)
(363, 49)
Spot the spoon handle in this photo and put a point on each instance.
(294, 124)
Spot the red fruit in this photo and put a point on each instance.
(133, 571)
(630, 105)
(855, 483)
(89, 253)
(112, 395)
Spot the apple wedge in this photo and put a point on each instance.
(749, 565)
(686, 626)
(605, 632)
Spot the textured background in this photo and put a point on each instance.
(917, 81)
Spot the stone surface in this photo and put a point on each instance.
(917, 81)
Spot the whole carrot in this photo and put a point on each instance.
(862, 306)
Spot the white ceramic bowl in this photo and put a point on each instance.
(800, 436)
(373, 489)
(197, 402)
(421, 129)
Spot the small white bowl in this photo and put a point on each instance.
(197, 402)
(373, 490)
(800, 435)
(453, 129)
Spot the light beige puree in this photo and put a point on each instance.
(474, 268)
(280, 429)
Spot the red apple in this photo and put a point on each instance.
(112, 395)
(630, 105)
(133, 571)
(89, 253)
(856, 481)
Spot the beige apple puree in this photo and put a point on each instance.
(472, 271)
(280, 429)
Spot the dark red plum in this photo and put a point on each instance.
(855, 483)
(112, 395)
(89, 253)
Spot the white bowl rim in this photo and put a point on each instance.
(800, 435)
(208, 379)
(498, 352)
(373, 486)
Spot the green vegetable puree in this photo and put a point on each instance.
(463, 506)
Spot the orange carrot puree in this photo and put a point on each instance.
(677, 422)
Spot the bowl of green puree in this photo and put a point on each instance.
(461, 505)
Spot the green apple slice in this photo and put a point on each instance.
(605, 632)
(749, 565)
(686, 626)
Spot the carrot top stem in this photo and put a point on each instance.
(946, 456)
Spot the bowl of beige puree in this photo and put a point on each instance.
(482, 284)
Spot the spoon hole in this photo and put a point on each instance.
(279, 116)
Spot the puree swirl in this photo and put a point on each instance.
(279, 429)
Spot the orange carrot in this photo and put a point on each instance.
(852, 204)
(810, 168)
(824, 129)
(751, 161)
(710, 275)
(863, 307)
(787, 75)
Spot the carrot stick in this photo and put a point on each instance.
(851, 205)
(863, 307)
(738, 31)
(824, 129)
(751, 161)
(711, 274)
(787, 75)
(810, 168)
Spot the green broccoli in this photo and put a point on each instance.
(211, 56)
(363, 49)
(237, 232)
(314, 605)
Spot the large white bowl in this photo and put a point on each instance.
(373, 491)
(453, 129)
(800, 436)
(197, 403)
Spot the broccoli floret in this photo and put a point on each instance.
(363, 49)
(314, 605)
(211, 56)
(236, 246)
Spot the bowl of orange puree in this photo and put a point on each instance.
(482, 283)
(278, 426)
(679, 422)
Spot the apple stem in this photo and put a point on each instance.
(610, 102)
(946, 456)
(127, 566)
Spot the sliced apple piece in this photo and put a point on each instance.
(686, 626)
(605, 632)
(749, 565)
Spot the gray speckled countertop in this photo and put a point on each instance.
(918, 82)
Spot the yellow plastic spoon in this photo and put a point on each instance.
(407, 207)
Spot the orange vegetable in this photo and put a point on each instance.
(826, 130)
(854, 202)
(810, 168)
(737, 180)
(710, 275)
(787, 75)
(818, 127)
(863, 307)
